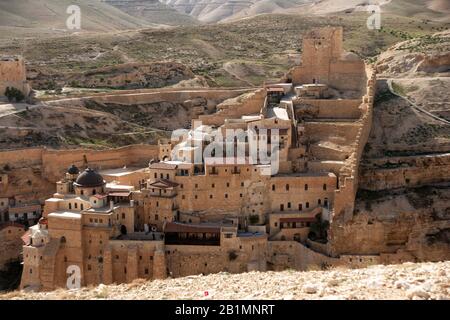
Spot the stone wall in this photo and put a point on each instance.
(246, 104)
(32, 172)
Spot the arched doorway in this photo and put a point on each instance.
(123, 230)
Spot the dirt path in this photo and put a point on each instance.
(414, 105)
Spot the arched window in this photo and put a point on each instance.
(70, 206)
(306, 187)
(287, 187)
(273, 187)
(300, 207)
(307, 205)
(324, 187)
(63, 240)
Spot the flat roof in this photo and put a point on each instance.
(65, 215)
(120, 171)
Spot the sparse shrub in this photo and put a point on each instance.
(14, 94)
(232, 255)
(254, 219)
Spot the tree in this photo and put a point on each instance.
(14, 94)
(319, 230)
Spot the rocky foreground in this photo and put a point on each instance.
(405, 281)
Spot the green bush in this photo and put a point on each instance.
(14, 94)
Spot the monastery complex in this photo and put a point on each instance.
(189, 213)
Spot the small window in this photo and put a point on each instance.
(273, 187)
(306, 187)
(307, 205)
(324, 187)
(287, 187)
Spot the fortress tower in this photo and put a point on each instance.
(324, 61)
(13, 74)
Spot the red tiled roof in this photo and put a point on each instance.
(26, 238)
(164, 184)
(100, 196)
(293, 220)
(172, 227)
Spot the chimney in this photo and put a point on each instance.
(111, 205)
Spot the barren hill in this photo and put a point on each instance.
(226, 10)
(153, 11)
(406, 281)
(28, 17)
(222, 10)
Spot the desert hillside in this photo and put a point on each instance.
(29, 17)
(406, 281)
(153, 11)
(226, 10)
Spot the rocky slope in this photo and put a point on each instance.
(121, 76)
(406, 281)
(28, 17)
(402, 206)
(153, 11)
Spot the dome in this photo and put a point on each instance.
(73, 170)
(89, 179)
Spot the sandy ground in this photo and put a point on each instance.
(406, 281)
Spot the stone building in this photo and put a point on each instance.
(13, 74)
(256, 199)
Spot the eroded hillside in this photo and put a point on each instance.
(403, 200)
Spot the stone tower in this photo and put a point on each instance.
(320, 48)
(13, 74)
